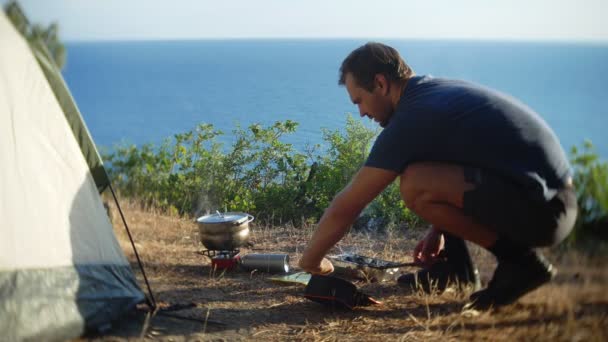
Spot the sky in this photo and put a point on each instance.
(552, 20)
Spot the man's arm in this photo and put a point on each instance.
(344, 209)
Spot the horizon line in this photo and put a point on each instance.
(262, 38)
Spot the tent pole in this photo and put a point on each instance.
(151, 300)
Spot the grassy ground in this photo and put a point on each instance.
(239, 305)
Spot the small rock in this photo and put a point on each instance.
(471, 313)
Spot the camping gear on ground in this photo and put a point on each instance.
(62, 271)
(270, 263)
(361, 267)
(336, 293)
(222, 260)
(230, 259)
(301, 278)
(224, 231)
(222, 234)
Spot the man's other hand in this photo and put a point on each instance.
(428, 249)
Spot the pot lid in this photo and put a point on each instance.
(232, 217)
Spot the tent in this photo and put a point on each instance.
(62, 271)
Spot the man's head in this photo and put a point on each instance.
(374, 75)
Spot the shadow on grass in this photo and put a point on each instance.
(238, 323)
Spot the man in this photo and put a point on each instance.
(475, 163)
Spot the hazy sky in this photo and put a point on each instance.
(421, 19)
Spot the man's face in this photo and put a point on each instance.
(375, 104)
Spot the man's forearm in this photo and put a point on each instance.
(343, 211)
(332, 227)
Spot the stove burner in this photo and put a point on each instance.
(211, 253)
(221, 260)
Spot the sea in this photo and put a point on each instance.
(138, 92)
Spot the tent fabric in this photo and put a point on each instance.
(61, 303)
(72, 114)
(67, 103)
(61, 268)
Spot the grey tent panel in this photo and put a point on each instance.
(63, 302)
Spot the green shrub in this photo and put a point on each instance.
(591, 184)
(389, 206)
(192, 173)
(169, 176)
(346, 153)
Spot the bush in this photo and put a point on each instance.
(591, 184)
(192, 173)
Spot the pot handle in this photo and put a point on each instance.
(249, 218)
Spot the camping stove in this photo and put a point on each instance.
(222, 260)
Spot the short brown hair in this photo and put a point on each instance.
(371, 59)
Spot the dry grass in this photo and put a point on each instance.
(572, 308)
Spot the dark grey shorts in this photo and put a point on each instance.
(506, 208)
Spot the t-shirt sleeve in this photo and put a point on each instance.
(408, 138)
(388, 151)
(382, 156)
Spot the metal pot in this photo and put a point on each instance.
(224, 231)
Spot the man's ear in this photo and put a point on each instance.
(382, 83)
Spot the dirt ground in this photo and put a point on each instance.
(241, 305)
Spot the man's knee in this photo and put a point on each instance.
(411, 186)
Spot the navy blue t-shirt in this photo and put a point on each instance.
(453, 121)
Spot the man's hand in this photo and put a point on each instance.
(325, 267)
(428, 249)
(342, 212)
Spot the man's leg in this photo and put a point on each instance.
(435, 192)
